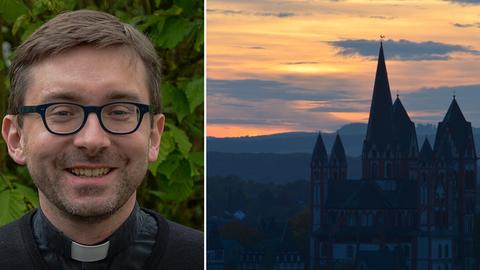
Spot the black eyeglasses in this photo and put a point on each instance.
(63, 118)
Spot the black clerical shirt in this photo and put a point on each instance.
(32, 243)
(129, 247)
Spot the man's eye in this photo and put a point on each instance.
(119, 112)
(63, 113)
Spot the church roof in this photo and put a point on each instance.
(319, 154)
(453, 126)
(426, 153)
(366, 194)
(454, 114)
(379, 129)
(338, 152)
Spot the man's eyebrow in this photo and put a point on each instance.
(123, 94)
(62, 95)
(73, 96)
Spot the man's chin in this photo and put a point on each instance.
(91, 207)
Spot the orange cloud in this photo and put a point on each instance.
(221, 131)
(350, 116)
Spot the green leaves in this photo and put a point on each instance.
(184, 100)
(15, 199)
(12, 205)
(173, 32)
(181, 139)
(12, 9)
(194, 91)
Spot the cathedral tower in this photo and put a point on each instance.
(390, 148)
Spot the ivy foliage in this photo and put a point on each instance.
(174, 183)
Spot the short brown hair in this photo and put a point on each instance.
(76, 28)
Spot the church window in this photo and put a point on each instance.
(350, 220)
(369, 219)
(446, 251)
(349, 251)
(380, 218)
(388, 170)
(317, 194)
(423, 194)
(364, 220)
(439, 251)
(374, 170)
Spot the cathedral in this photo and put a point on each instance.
(412, 209)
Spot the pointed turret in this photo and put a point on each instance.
(319, 182)
(454, 134)
(404, 129)
(426, 153)
(454, 114)
(338, 161)
(379, 130)
(338, 152)
(319, 155)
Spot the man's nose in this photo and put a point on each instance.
(92, 137)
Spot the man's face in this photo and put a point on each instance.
(59, 164)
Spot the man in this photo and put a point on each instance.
(84, 116)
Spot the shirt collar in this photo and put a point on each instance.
(49, 236)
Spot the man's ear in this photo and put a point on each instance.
(12, 134)
(155, 136)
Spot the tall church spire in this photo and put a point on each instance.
(338, 153)
(379, 123)
(319, 155)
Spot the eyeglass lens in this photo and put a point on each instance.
(117, 117)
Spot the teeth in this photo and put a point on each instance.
(90, 172)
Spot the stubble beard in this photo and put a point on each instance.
(52, 184)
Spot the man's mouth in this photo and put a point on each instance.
(89, 172)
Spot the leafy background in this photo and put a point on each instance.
(174, 183)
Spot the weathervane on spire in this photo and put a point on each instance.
(454, 94)
(382, 37)
(398, 93)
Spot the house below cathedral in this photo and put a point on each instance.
(412, 209)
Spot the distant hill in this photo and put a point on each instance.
(268, 167)
(303, 142)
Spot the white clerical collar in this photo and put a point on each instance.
(85, 253)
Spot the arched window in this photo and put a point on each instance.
(388, 170)
(374, 170)
(364, 219)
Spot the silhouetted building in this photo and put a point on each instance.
(414, 209)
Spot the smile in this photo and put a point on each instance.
(89, 172)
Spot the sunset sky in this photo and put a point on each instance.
(279, 66)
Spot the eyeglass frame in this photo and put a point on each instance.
(42, 108)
